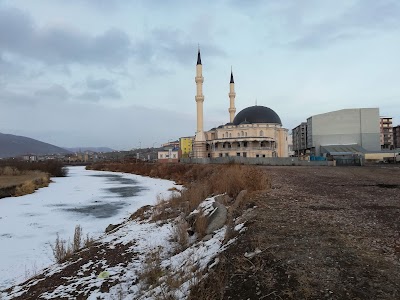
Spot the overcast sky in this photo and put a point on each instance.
(118, 74)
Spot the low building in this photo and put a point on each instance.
(186, 145)
(168, 154)
(386, 133)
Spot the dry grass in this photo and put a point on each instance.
(63, 249)
(180, 235)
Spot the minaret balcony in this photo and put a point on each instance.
(199, 79)
(199, 98)
(232, 94)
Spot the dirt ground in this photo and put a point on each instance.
(319, 233)
(323, 233)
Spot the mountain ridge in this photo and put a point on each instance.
(15, 145)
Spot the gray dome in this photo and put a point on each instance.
(257, 114)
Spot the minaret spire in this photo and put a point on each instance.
(198, 56)
(232, 95)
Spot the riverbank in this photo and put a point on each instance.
(317, 233)
(91, 199)
(18, 183)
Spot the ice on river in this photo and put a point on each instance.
(92, 199)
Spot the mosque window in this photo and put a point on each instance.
(242, 133)
(226, 134)
(245, 134)
(238, 133)
(230, 135)
(261, 133)
(223, 135)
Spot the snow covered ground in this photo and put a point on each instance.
(92, 199)
(186, 268)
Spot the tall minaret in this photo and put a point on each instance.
(199, 99)
(232, 95)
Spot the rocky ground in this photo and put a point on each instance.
(319, 233)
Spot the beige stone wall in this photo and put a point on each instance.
(250, 140)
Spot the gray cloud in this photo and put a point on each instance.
(365, 18)
(172, 45)
(98, 84)
(19, 35)
(55, 92)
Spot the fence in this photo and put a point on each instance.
(267, 161)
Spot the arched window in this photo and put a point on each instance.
(261, 133)
(242, 133)
(238, 133)
(223, 135)
(230, 135)
(245, 134)
(226, 134)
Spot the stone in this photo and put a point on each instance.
(207, 237)
(218, 218)
(111, 227)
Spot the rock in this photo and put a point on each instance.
(218, 218)
(207, 237)
(111, 227)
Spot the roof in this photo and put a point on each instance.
(257, 114)
(348, 149)
(232, 81)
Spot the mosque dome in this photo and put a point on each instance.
(256, 114)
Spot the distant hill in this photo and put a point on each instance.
(14, 145)
(92, 149)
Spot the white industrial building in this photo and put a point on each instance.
(358, 127)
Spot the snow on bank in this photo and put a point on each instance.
(92, 199)
(144, 237)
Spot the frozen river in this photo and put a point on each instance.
(92, 199)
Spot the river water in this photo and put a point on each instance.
(91, 199)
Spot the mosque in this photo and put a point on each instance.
(255, 131)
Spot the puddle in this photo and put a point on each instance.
(99, 210)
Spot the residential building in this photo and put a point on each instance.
(186, 145)
(299, 135)
(386, 133)
(168, 154)
(396, 136)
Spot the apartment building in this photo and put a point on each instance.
(386, 133)
(299, 136)
(396, 136)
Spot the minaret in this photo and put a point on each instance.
(232, 95)
(199, 99)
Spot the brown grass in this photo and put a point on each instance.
(63, 250)
(21, 182)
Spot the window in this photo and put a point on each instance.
(209, 155)
(238, 133)
(226, 134)
(174, 156)
(244, 154)
(242, 133)
(245, 134)
(238, 154)
(220, 155)
(257, 155)
(263, 155)
(223, 135)
(161, 156)
(226, 154)
(230, 135)
(261, 133)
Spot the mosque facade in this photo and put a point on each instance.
(255, 131)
